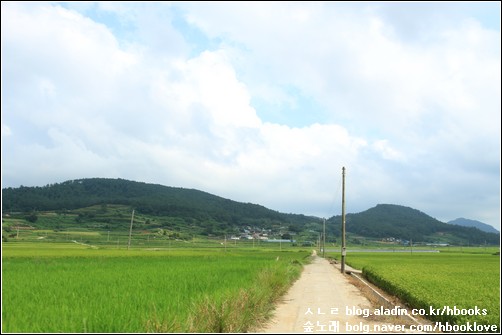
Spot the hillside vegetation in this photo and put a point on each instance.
(406, 224)
(193, 207)
(100, 203)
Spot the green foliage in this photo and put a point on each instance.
(104, 204)
(405, 223)
(70, 288)
(425, 280)
(217, 216)
(32, 218)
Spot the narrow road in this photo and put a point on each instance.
(323, 300)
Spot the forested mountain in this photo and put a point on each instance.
(473, 223)
(164, 206)
(404, 223)
(149, 199)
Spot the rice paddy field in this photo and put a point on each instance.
(462, 278)
(73, 288)
(89, 282)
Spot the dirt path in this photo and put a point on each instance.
(322, 301)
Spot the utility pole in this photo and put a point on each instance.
(130, 230)
(344, 251)
(324, 238)
(280, 238)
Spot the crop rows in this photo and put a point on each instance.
(436, 280)
(86, 290)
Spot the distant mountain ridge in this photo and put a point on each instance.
(210, 214)
(473, 223)
(190, 205)
(386, 221)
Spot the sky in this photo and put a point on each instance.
(260, 102)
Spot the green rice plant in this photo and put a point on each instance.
(438, 280)
(71, 288)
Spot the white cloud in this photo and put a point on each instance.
(386, 151)
(415, 121)
(6, 131)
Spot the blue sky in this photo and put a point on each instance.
(260, 102)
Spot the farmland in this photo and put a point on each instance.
(463, 278)
(70, 287)
(88, 280)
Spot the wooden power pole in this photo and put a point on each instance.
(324, 238)
(344, 250)
(130, 230)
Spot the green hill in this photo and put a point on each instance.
(101, 203)
(196, 208)
(394, 222)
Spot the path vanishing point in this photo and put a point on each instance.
(323, 300)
